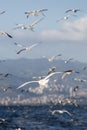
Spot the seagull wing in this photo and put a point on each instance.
(43, 10)
(69, 59)
(50, 75)
(32, 46)
(2, 12)
(69, 10)
(64, 75)
(54, 57)
(8, 35)
(36, 22)
(29, 12)
(68, 112)
(21, 50)
(22, 85)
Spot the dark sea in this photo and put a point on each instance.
(39, 117)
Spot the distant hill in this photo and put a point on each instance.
(22, 70)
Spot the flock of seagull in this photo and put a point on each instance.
(35, 13)
(43, 82)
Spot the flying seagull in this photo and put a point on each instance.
(27, 48)
(5, 33)
(41, 82)
(2, 12)
(68, 60)
(35, 12)
(54, 57)
(72, 10)
(63, 18)
(61, 112)
(51, 70)
(30, 27)
(68, 72)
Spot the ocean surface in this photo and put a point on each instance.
(39, 117)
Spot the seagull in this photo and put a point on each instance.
(27, 48)
(68, 72)
(41, 82)
(61, 112)
(76, 88)
(7, 74)
(51, 70)
(63, 18)
(66, 61)
(2, 121)
(31, 27)
(35, 12)
(72, 10)
(80, 80)
(5, 33)
(2, 12)
(6, 89)
(54, 57)
(66, 17)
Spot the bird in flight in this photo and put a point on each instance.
(66, 17)
(41, 82)
(54, 57)
(63, 18)
(2, 12)
(27, 48)
(80, 80)
(35, 12)
(30, 27)
(68, 60)
(60, 112)
(68, 72)
(5, 33)
(51, 70)
(72, 10)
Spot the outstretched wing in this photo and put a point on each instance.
(29, 48)
(67, 112)
(22, 85)
(50, 75)
(69, 10)
(36, 22)
(8, 35)
(28, 13)
(42, 10)
(2, 12)
(21, 50)
(64, 75)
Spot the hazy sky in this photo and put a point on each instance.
(68, 37)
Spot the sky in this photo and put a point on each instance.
(66, 37)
